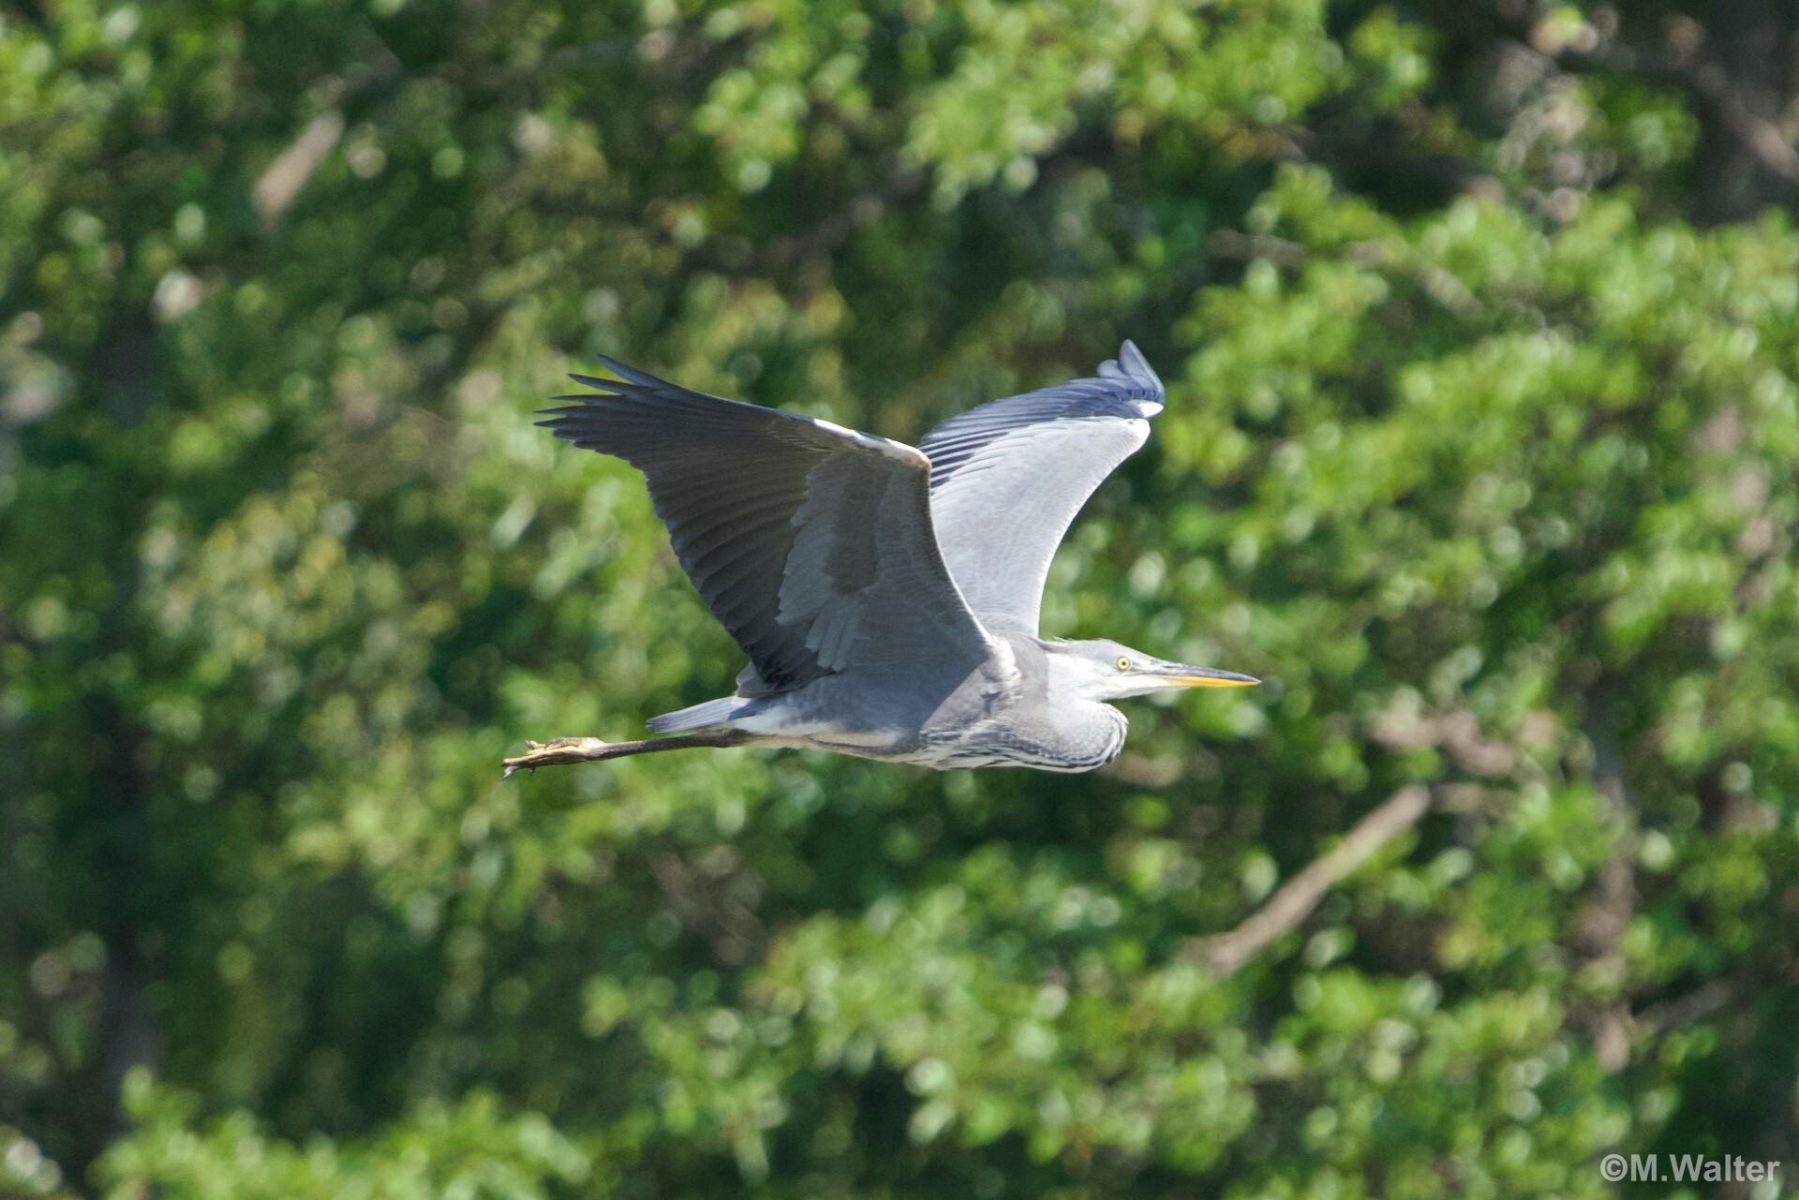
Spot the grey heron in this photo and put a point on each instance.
(887, 596)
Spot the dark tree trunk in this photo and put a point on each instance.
(1745, 89)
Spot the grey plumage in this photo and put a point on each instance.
(793, 530)
(887, 596)
(1042, 453)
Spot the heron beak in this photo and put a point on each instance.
(1181, 675)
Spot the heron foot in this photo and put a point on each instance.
(590, 749)
(557, 752)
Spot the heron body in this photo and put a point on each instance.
(886, 595)
(997, 714)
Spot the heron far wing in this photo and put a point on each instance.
(809, 542)
(1007, 479)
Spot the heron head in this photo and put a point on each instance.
(1105, 670)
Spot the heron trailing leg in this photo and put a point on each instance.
(561, 751)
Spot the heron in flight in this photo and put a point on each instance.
(886, 595)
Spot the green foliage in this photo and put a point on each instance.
(472, 1150)
(1478, 450)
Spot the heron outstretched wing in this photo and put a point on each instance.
(1008, 477)
(809, 542)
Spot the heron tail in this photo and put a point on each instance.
(698, 716)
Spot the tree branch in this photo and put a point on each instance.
(1603, 923)
(1708, 83)
(1381, 255)
(1226, 952)
(1682, 63)
(277, 186)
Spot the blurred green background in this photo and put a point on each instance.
(1481, 328)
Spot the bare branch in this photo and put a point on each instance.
(281, 182)
(1379, 254)
(1760, 136)
(1680, 62)
(1602, 924)
(1457, 732)
(716, 908)
(1709, 83)
(1233, 243)
(1226, 952)
(1697, 1005)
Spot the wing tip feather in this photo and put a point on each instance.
(1131, 364)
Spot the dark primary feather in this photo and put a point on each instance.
(1008, 477)
(1123, 389)
(811, 544)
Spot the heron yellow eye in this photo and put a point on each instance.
(1124, 664)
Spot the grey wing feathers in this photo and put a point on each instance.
(810, 543)
(1008, 477)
